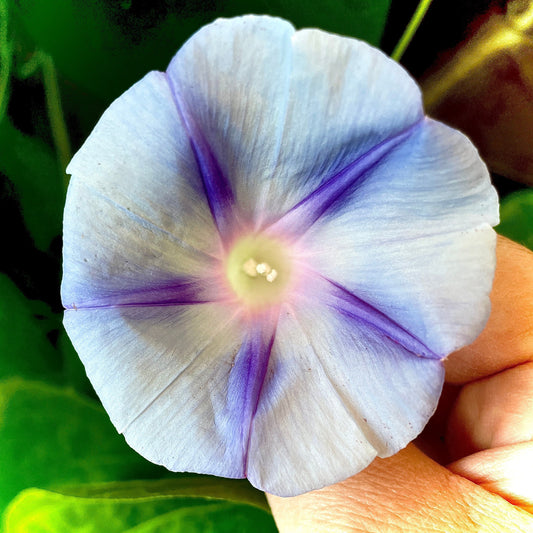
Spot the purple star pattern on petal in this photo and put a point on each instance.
(268, 251)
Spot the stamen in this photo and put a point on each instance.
(251, 273)
(263, 269)
(250, 268)
(272, 275)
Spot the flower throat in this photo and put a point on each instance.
(258, 269)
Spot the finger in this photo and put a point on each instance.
(406, 492)
(505, 470)
(492, 417)
(490, 413)
(491, 434)
(493, 412)
(507, 339)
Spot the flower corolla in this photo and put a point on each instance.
(268, 251)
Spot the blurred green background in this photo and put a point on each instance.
(63, 468)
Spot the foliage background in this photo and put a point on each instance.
(62, 466)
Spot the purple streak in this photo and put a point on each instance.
(247, 378)
(353, 307)
(217, 187)
(175, 292)
(334, 189)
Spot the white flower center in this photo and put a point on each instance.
(258, 269)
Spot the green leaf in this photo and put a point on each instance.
(34, 170)
(213, 518)
(25, 348)
(51, 436)
(359, 18)
(36, 511)
(516, 217)
(113, 48)
(24, 325)
(190, 486)
(188, 504)
(73, 369)
(119, 42)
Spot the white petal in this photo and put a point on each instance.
(163, 374)
(337, 393)
(135, 211)
(112, 256)
(283, 110)
(231, 78)
(414, 240)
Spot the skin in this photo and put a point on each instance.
(470, 470)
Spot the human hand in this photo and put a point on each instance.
(484, 424)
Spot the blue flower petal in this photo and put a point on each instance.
(350, 305)
(334, 398)
(313, 138)
(180, 382)
(414, 240)
(136, 218)
(282, 111)
(231, 86)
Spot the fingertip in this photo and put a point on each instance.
(505, 470)
(492, 412)
(507, 339)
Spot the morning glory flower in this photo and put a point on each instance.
(268, 251)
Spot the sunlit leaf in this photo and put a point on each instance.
(34, 170)
(51, 436)
(484, 88)
(516, 213)
(36, 511)
(24, 346)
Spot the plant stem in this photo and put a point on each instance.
(41, 60)
(31, 66)
(55, 113)
(410, 31)
(6, 56)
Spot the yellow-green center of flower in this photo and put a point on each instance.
(258, 269)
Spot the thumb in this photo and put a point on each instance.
(406, 492)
